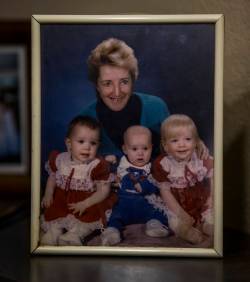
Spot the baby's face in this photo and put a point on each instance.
(182, 145)
(138, 148)
(83, 143)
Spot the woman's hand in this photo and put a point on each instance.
(47, 201)
(78, 207)
(202, 150)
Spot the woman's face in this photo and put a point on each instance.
(114, 86)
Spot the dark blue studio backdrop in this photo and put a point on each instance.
(176, 63)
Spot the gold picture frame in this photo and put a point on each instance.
(40, 57)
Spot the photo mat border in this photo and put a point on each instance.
(218, 21)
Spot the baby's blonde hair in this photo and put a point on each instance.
(171, 125)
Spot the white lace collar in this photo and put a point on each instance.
(124, 164)
(194, 159)
(77, 162)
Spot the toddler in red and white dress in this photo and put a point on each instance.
(77, 195)
(185, 180)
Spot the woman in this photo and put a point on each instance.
(113, 69)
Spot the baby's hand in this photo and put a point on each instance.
(47, 201)
(138, 187)
(79, 207)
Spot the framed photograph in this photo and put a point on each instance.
(13, 103)
(107, 175)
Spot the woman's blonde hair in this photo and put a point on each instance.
(113, 52)
(171, 125)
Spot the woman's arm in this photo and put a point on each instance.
(49, 191)
(102, 192)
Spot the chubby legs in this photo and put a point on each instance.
(185, 230)
(75, 235)
(50, 238)
(56, 235)
(208, 222)
(154, 228)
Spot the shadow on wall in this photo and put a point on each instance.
(237, 164)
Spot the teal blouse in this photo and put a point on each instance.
(154, 111)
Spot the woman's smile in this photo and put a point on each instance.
(114, 86)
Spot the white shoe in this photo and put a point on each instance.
(50, 238)
(69, 239)
(154, 228)
(110, 236)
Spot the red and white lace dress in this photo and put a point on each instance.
(188, 182)
(75, 182)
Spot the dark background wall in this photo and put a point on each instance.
(176, 63)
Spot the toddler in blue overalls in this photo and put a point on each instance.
(134, 171)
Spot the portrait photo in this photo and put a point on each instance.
(126, 134)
